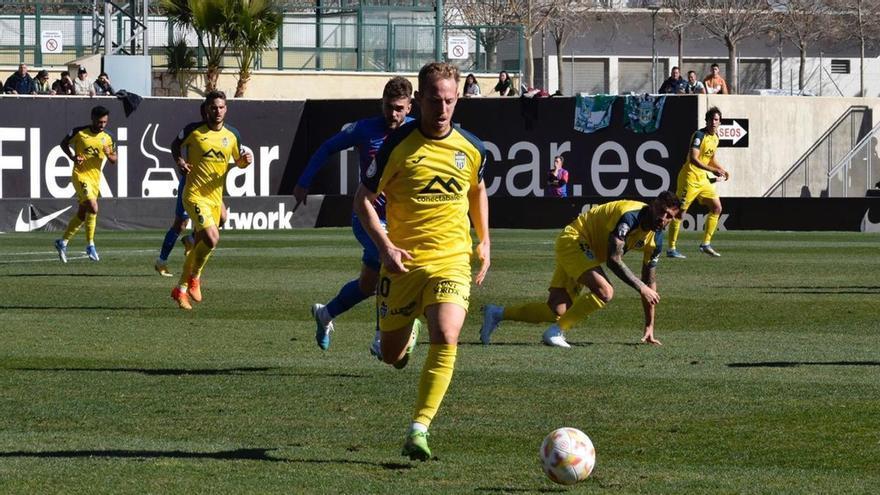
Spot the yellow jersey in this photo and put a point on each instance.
(707, 144)
(426, 183)
(89, 144)
(209, 153)
(621, 219)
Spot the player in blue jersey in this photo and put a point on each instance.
(367, 135)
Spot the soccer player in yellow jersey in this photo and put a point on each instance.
(431, 173)
(694, 183)
(204, 153)
(91, 145)
(579, 285)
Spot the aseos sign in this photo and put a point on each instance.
(733, 133)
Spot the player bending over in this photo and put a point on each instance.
(579, 285)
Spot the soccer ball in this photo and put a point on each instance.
(567, 456)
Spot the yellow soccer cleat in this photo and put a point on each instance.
(162, 268)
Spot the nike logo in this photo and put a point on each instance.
(868, 225)
(22, 225)
(417, 159)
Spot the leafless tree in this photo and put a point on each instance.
(533, 16)
(858, 21)
(731, 21)
(803, 23)
(578, 19)
(678, 15)
(489, 13)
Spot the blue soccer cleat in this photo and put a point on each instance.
(674, 253)
(322, 328)
(492, 316)
(93, 253)
(707, 249)
(376, 349)
(62, 250)
(554, 337)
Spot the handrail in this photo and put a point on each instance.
(816, 144)
(846, 159)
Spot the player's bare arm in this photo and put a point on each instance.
(649, 277)
(65, 148)
(110, 153)
(478, 208)
(245, 159)
(718, 170)
(391, 256)
(618, 267)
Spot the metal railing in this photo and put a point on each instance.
(856, 172)
(809, 175)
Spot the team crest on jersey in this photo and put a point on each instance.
(225, 142)
(460, 160)
(696, 141)
(371, 170)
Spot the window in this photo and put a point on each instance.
(839, 66)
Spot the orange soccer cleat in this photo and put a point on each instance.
(195, 290)
(182, 299)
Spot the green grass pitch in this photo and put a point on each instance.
(768, 382)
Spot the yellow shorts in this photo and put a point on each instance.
(203, 213)
(85, 190)
(689, 190)
(573, 258)
(403, 297)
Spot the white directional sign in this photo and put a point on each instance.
(457, 47)
(51, 42)
(733, 133)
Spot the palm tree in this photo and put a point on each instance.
(211, 20)
(181, 61)
(255, 24)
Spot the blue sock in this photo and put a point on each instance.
(349, 295)
(168, 244)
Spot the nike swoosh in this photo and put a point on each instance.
(869, 226)
(26, 226)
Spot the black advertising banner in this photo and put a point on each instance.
(33, 166)
(522, 136)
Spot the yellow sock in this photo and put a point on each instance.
(711, 225)
(91, 222)
(187, 268)
(674, 226)
(582, 307)
(72, 228)
(530, 313)
(202, 252)
(436, 375)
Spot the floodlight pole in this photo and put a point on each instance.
(654, 10)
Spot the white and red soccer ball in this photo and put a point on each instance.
(567, 456)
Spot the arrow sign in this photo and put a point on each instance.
(733, 133)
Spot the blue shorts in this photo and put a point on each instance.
(370, 257)
(179, 210)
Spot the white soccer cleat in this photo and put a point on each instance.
(706, 248)
(62, 250)
(492, 316)
(376, 349)
(555, 338)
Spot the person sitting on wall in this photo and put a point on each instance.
(103, 87)
(20, 82)
(692, 86)
(42, 85)
(64, 85)
(714, 83)
(505, 85)
(82, 85)
(471, 88)
(673, 83)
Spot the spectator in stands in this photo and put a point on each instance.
(505, 85)
(557, 180)
(471, 88)
(672, 85)
(20, 82)
(42, 85)
(692, 86)
(103, 87)
(63, 86)
(82, 85)
(714, 83)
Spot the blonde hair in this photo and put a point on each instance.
(437, 70)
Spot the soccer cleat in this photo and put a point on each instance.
(674, 253)
(195, 289)
(414, 337)
(376, 349)
(492, 316)
(188, 244)
(416, 446)
(180, 296)
(706, 248)
(322, 328)
(62, 250)
(93, 253)
(161, 266)
(554, 337)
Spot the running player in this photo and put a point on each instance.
(208, 148)
(602, 235)
(694, 183)
(91, 145)
(367, 135)
(432, 174)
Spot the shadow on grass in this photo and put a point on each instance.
(792, 364)
(262, 371)
(87, 308)
(810, 289)
(520, 344)
(508, 489)
(107, 275)
(227, 455)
